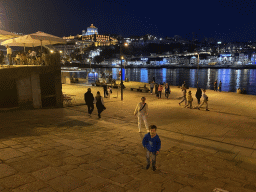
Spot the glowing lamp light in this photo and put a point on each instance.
(51, 51)
(60, 51)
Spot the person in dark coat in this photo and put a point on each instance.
(220, 85)
(167, 90)
(105, 88)
(215, 85)
(198, 94)
(156, 89)
(89, 99)
(99, 104)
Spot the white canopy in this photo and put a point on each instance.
(35, 39)
(7, 35)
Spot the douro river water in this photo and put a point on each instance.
(231, 79)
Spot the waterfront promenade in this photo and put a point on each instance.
(66, 150)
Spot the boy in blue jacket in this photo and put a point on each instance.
(153, 144)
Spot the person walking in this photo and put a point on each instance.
(99, 104)
(109, 91)
(152, 87)
(167, 91)
(215, 85)
(89, 99)
(184, 86)
(105, 89)
(160, 88)
(205, 97)
(184, 96)
(141, 111)
(152, 143)
(156, 89)
(198, 94)
(190, 99)
(9, 54)
(220, 85)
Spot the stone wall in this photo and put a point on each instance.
(27, 80)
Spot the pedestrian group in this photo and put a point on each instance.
(151, 141)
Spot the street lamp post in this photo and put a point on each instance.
(122, 70)
(197, 68)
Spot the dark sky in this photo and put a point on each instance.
(232, 20)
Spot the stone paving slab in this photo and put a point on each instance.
(9, 153)
(6, 170)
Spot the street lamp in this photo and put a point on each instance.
(197, 68)
(121, 57)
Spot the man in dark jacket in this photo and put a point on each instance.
(105, 89)
(198, 94)
(89, 99)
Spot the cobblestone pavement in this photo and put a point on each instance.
(66, 150)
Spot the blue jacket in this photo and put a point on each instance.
(152, 144)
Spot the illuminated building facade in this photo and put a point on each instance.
(90, 30)
(100, 40)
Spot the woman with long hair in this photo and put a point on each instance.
(99, 103)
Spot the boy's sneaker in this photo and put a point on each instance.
(198, 108)
(207, 110)
(147, 167)
(154, 168)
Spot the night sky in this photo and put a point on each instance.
(232, 20)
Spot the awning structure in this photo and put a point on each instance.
(7, 35)
(34, 40)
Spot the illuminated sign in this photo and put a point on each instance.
(219, 42)
(143, 59)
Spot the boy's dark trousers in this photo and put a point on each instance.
(90, 108)
(167, 94)
(198, 100)
(151, 90)
(153, 154)
(159, 94)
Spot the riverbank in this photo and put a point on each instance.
(165, 66)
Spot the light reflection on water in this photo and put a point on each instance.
(231, 79)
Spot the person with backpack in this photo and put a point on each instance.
(141, 111)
